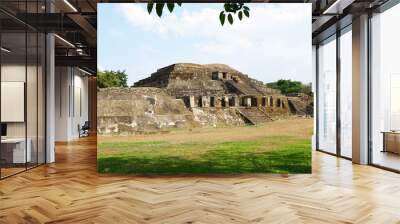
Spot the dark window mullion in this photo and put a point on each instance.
(37, 90)
(45, 88)
(369, 96)
(338, 98)
(317, 96)
(26, 87)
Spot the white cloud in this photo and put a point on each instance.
(188, 23)
(205, 22)
(274, 37)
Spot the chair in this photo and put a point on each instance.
(84, 130)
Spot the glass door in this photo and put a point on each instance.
(327, 96)
(22, 101)
(385, 89)
(346, 93)
(14, 153)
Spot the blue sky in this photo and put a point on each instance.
(274, 43)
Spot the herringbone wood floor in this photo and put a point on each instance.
(70, 191)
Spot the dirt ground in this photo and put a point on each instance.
(298, 127)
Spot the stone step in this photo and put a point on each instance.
(254, 115)
(296, 108)
(242, 88)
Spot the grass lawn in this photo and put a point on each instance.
(265, 154)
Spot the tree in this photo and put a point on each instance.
(287, 86)
(109, 78)
(230, 10)
(307, 89)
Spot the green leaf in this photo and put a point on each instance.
(179, 3)
(150, 7)
(240, 15)
(159, 8)
(222, 18)
(246, 13)
(171, 6)
(226, 7)
(246, 8)
(236, 7)
(230, 18)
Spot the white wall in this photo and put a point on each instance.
(346, 94)
(13, 101)
(15, 73)
(33, 126)
(327, 96)
(80, 104)
(71, 87)
(62, 83)
(12, 73)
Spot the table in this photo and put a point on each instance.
(13, 150)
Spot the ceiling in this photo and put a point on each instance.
(329, 16)
(73, 21)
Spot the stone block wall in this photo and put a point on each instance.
(131, 110)
(127, 111)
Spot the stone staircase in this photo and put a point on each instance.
(297, 107)
(241, 88)
(254, 115)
